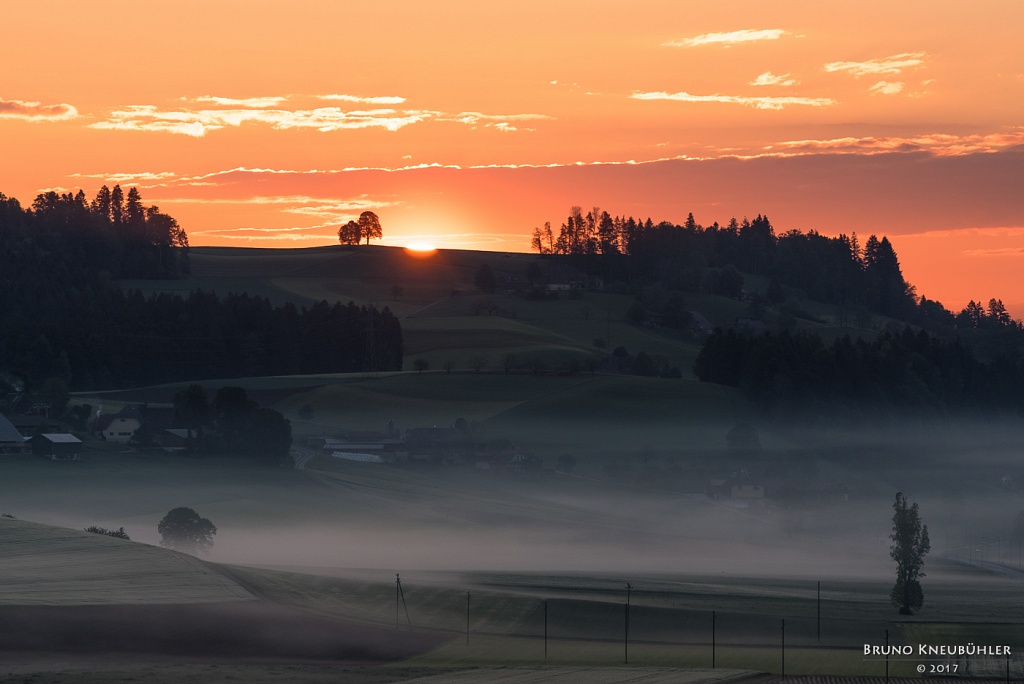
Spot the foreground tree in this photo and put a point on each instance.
(182, 529)
(909, 546)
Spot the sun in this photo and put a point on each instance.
(420, 248)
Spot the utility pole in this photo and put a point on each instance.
(545, 630)
(712, 640)
(629, 589)
(400, 596)
(783, 648)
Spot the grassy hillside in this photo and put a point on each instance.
(445, 316)
(451, 327)
(345, 615)
(46, 565)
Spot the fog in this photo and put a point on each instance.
(449, 517)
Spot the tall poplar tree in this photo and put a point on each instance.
(909, 546)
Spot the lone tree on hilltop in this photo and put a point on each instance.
(369, 226)
(182, 529)
(909, 546)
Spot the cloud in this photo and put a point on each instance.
(254, 102)
(293, 234)
(328, 209)
(937, 144)
(995, 251)
(197, 123)
(381, 100)
(127, 177)
(36, 111)
(887, 88)
(756, 102)
(770, 79)
(879, 67)
(475, 118)
(729, 38)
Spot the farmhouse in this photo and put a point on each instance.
(57, 446)
(356, 456)
(121, 427)
(376, 447)
(11, 441)
(740, 491)
(16, 402)
(29, 424)
(117, 428)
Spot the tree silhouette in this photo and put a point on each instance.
(909, 546)
(184, 530)
(369, 226)
(349, 233)
(192, 406)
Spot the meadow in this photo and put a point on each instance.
(351, 623)
(322, 545)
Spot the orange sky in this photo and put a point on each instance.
(467, 124)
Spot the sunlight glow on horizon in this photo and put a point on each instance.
(654, 109)
(421, 248)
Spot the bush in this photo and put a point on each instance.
(119, 533)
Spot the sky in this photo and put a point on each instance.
(467, 124)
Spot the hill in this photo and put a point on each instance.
(449, 323)
(47, 565)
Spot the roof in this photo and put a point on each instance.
(362, 458)
(9, 433)
(103, 421)
(59, 437)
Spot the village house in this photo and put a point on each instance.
(11, 441)
(120, 427)
(57, 446)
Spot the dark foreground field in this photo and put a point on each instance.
(248, 630)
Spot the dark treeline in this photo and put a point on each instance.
(941, 360)
(899, 370)
(232, 424)
(114, 233)
(694, 258)
(68, 325)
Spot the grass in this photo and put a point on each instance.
(670, 625)
(440, 306)
(548, 414)
(47, 565)
(668, 629)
